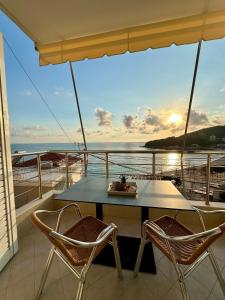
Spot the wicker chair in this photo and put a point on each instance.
(182, 246)
(79, 245)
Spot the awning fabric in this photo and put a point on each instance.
(73, 30)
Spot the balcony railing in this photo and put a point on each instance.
(201, 178)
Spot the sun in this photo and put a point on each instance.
(174, 118)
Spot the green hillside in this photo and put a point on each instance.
(200, 137)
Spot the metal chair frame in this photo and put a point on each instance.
(182, 275)
(79, 271)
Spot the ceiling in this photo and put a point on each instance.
(73, 30)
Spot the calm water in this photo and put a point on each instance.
(120, 163)
(67, 146)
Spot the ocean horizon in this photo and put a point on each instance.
(32, 147)
(142, 163)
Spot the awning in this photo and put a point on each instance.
(72, 30)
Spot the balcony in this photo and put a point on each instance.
(199, 176)
(36, 180)
(21, 277)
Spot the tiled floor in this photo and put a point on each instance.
(20, 279)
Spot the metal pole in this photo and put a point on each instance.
(85, 164)
(189, 108)
(192, 91)
(39, 176)
(107, 164)
(67, 170)
(78, 105)
(208, 175)
(153, 166)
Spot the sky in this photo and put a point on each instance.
(134, 97)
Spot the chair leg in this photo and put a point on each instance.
(45, 273)
(139, 257)
(183, 288)
(80, 290)
(181, 279)
(217, 270)
(117, 256)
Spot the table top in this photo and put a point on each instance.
(154, 193)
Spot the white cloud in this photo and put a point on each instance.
(27, 93)
(30, 131)
(222, 89)
(103, 117)
(35, 128)
(62, 92)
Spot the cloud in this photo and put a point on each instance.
(222, 89)
(27, 93)
(151, 118)
(35, 128)
(31, 134)
(62, 92)
(158, 122)
(103, 117)
(129, 121)
(30, 131)
(198, 118)
(153, 122)
(218, 118)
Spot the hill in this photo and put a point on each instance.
(203, 138)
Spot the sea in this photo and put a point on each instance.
(122, 163)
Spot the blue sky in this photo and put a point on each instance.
(128, 97)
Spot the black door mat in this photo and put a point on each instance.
(128, 247)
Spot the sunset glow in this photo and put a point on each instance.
(175, 118)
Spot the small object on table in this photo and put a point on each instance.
(122, 184)
(129, 190)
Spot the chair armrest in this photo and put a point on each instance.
(59, 212)
(74, 205)
(185, 238)
(200, 212)
(62, 210)
(216, 211)
(105, 233)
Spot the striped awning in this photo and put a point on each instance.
(73, 30)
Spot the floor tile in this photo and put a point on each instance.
(21, 277)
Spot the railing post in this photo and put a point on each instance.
(153, 166)
(85, 164)
(67, 170)
(208, 175)
(107, 164)
(39, 176)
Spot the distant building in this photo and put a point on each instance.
(212, 138)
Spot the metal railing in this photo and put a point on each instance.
(198, 175)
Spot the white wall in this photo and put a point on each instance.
(8, 228)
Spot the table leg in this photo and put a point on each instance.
(144, 214)
(99, 211)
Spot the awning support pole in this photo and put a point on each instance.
(78, 105)
(189, 109)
